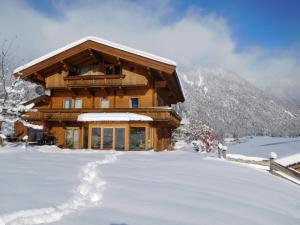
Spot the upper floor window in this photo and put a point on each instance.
(134, 102)
(108, 70)
(78, 103)
(104, 103)
(118, 70)
(68, 103)
(94, 70)
(84, 70)
(113, 70)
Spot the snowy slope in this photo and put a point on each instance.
(137, 188)
(263, 146)
(230, 104)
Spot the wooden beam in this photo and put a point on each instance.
(160, 84)
(40, 77)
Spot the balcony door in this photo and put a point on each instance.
(96, 138)
(73, 137)
(107, 138)
(137, 138)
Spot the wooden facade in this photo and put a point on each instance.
(91, 77)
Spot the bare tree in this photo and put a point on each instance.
(13, 91)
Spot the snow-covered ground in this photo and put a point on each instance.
(41, 185)
(263, 146)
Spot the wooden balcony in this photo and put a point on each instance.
(102, 81)
(162, 115)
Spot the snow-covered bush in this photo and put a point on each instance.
(13, 92)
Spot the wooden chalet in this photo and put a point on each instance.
(103, 95)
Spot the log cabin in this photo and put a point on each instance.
(103, 95)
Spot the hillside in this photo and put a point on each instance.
(230, 104)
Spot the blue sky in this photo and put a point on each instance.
(270, 24)
(257, 39)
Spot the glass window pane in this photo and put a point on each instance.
(120, 138)
(118, 70)
(95, 70)
(85, 137)
(108, 70)
(104, 103)
(149, 137)
(96, 137)
(68, 104)
(107, 138)
(134, 102)
(137, 138)
(69, 137)
(84, 70)
(78, 103)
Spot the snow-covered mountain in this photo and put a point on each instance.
(230, 104)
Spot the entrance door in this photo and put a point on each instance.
(120, 138)
(137, 138)
(107, 138)
(72, 137)
(96, 138)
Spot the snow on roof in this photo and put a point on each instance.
(100, 117)
(289, 160)
(100, 41)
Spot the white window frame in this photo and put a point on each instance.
(69, 105)
(77, 100)
(104, 100)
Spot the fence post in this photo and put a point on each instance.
(271, 164)
(273, 156)
(224, 152)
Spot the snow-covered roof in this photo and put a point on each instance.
(289, 160)
(110, 117)
(100, 41)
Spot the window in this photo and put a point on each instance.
(86, 137)
(149, 137)
(137, 138)
(68, 103)
(118, 70)
(134, 102)
(108, 70)
(104, 102)
(72, 137)
(120, 138)
(95, 70)
(96, 138)
(84, 70)
(78, 103)
(107, 138)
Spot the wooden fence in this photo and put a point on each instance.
(274, 166)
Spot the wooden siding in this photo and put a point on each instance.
(158, 114)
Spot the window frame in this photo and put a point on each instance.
(108, 102)
(70, 105)
(138, 102)
(78, 99)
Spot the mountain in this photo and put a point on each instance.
(229, 104)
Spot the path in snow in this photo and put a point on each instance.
(88, 194)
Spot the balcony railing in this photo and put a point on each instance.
(158, 114)
(101, 81)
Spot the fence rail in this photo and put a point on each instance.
(274, 166)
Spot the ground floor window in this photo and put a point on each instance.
(34, 134)
(137, 138)
(107, 138)
(96, 138)
(86, 137)
(72, 137)
(120, 138)
(149, 137)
